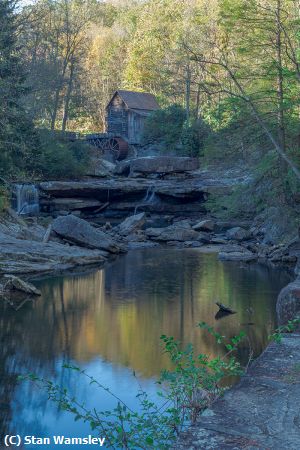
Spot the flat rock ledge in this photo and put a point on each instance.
(261, 412)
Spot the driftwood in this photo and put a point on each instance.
(225, 309)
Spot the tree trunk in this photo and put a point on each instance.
(280, 93)
(68, 96)
(188, 93)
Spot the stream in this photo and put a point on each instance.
(109, 322)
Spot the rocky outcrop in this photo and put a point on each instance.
(28, 256)
(83, 234)
(162, 165)
(132, 224)
(261, 412)
(288, 303)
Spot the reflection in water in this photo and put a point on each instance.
(110, 321)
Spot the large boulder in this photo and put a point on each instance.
(82, 233)
(162, 164)
(132, 224)
(288, 303)
(30, 255)
(16, 284)
(99, 167)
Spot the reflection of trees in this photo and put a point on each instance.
(150, 293)
(120, 317)
(39, 333)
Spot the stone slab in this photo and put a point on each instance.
(261, 412)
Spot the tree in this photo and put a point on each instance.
(55, 42)
(248, 64)
(17, 138)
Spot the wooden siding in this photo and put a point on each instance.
(124, 121)
(117, 117)
(135, 127)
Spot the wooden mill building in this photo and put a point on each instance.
(126, 113)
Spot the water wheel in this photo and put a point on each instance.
(118, 148)
(115, 148)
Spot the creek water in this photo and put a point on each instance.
(109, 322)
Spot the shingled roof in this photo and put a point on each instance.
(138, 100)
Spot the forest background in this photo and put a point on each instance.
(226, 74)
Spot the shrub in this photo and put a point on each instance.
(194, 383)
(4, 199)
(165, 125)
(193, 137)
(60, 158)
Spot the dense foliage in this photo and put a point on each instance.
(226, 73)
(18, 141)
(192, 385)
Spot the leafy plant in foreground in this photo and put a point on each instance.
(290, 327)
(185, 391)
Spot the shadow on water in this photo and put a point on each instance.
(110, 321)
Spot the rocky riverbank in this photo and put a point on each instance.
(140, 203)
(261, 412)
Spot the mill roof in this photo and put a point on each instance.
(137, 100)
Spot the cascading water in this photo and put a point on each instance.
(26, 199)
(149, 198)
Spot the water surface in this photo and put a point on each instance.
(109, 322)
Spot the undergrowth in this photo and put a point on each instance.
(193, 384)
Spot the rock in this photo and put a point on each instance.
(100, 167)
(82, 233)
(132, 223)
(33, 256)
(251, 414)
(172, 233)
(138, 245)
(218, 240)
(297, 267)
(237, 256)
(288, 303)
(14, 283)
(122, 168)
(136, 237)
(204, 225)
(276, 225)
(236, 253)
(162, 164)
(70, 204)
(204, 237)
(193, 244)
(238, 234)
(289, 259)
(293, 247)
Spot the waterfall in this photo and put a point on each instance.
(27, 199)
(149, 198)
